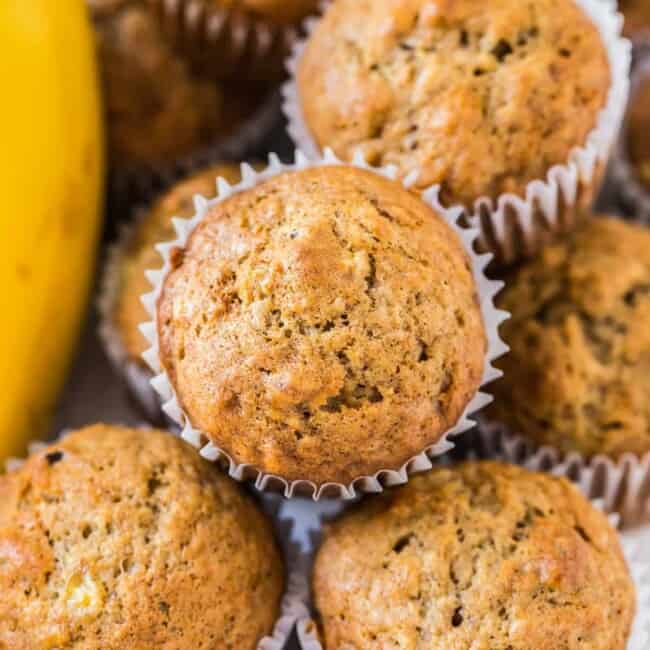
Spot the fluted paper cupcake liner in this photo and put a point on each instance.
(633, 194)
(136, 374)
(308, 529)
(492, 318)
(129, 185)
(622, 484)
(515, 226)
(293, 606)
(233, 42)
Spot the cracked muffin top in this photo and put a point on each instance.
(322, 325)
(125, 538)
(158, 108)
(479, 556)
(637, 17)
(578, 374)
(140, 256)
(481, 101)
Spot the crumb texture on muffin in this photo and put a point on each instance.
(117, 538)
(323, 325)
(154, 228)
(481, 102)
(578, 373)
(481, 556)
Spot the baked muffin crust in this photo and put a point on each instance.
(480, 556)
(482, 102)
(158, 107)
(155, 228)
(119, 538)
(322, 325)
(578, 373)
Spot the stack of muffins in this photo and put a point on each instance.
(170, 111)
(327, 327)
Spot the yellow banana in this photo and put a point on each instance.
(51, 185)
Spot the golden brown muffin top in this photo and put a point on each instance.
(482, 102)
(637, 16)
(277, 11)
(158, 108)
(481, 556)
(155, 228)
(638, 131)
(322, 325)
(120, 538)
(578, 374)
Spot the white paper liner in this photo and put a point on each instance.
(623, 484)
(129, 184)
(136, 375)
(307, 519)
(634, 195)
(512, 226)
(292, 607)
(492, 318)
(246, 45)
(308, 526)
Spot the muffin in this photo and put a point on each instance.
(116, 538)
(481, 103)
(140, 255)
(322, 325)
(236, 39)
(480, 555)
(159, 109)
(637, 17)
(638, 131)
(578, 374)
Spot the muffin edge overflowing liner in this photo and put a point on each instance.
(633, 552)
(622, 484)
(550, 198)
(492, 318)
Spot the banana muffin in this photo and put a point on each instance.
(482, 102)
(120, 538)
(480, 556)
(140, 255)
(158, 108)
(637, 17)
(323, 325)
(578, 373)
(638, 131)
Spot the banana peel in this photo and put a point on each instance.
(51, 193)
